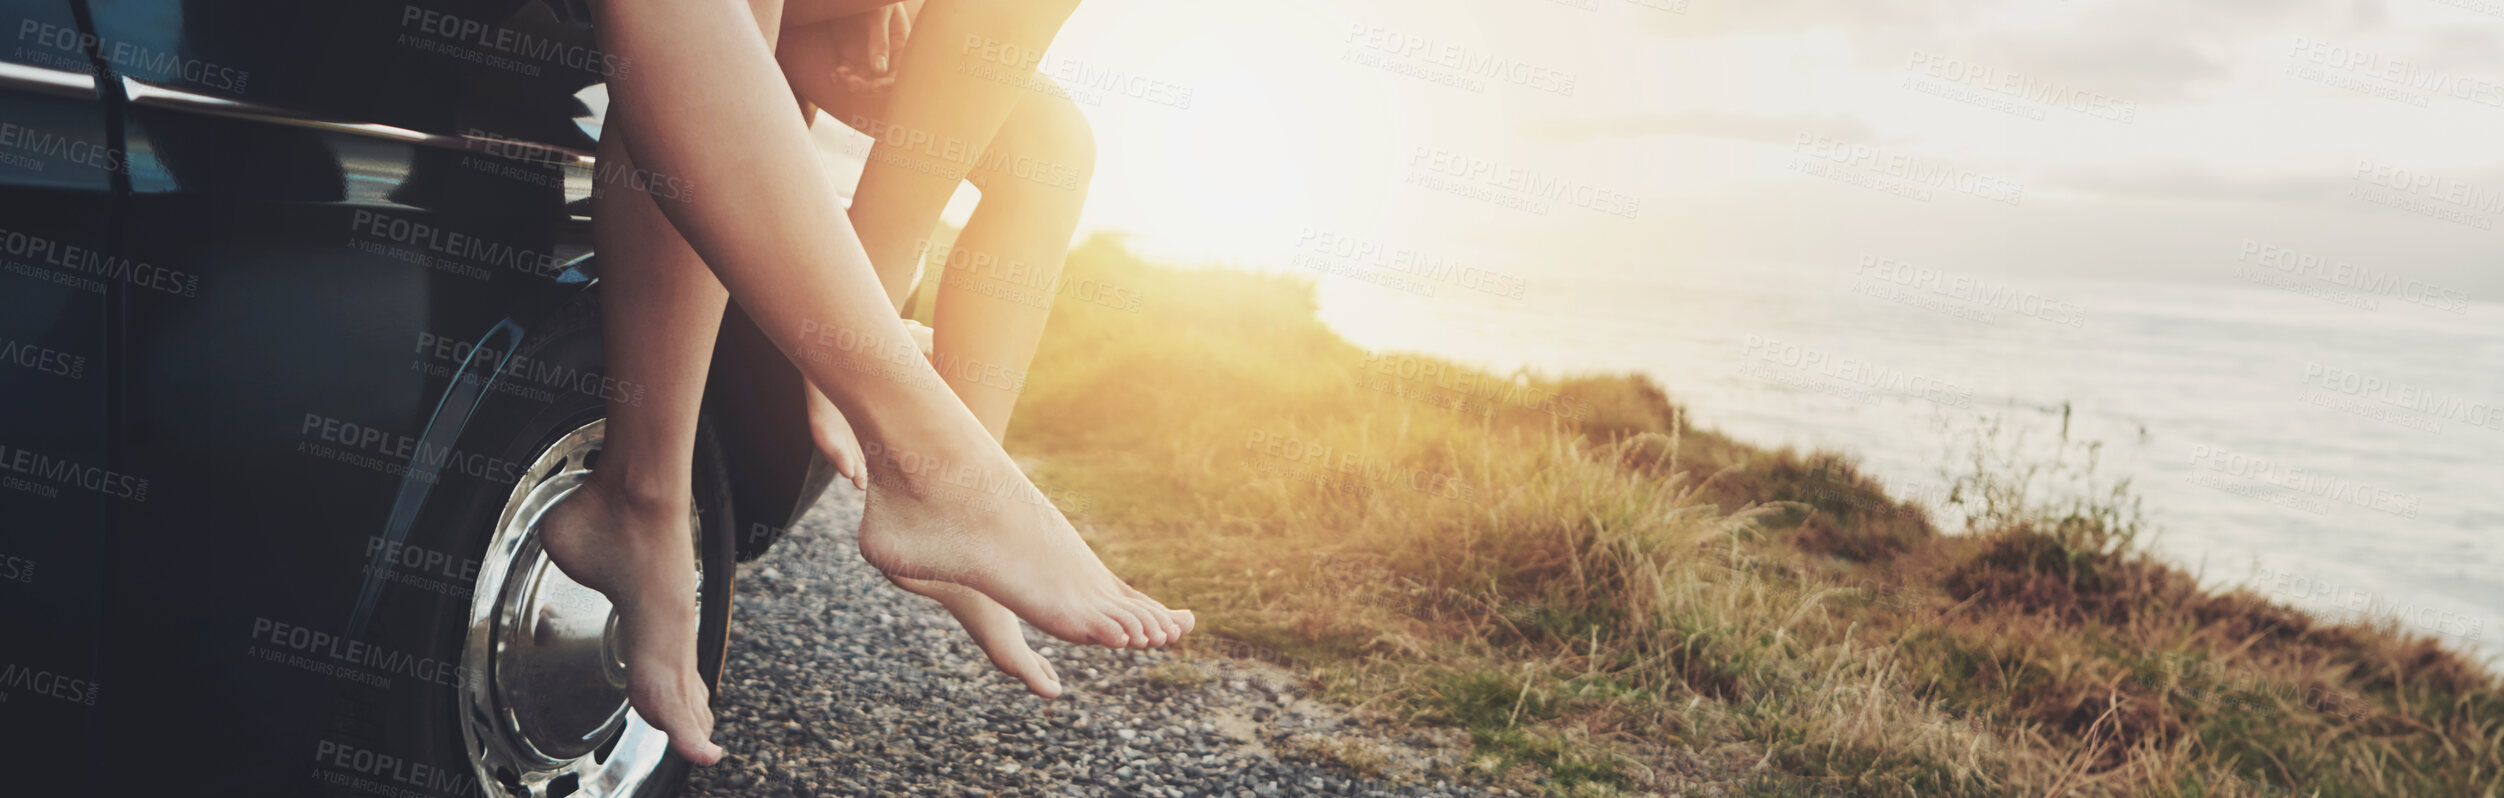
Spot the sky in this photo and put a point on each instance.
(1599, 155)
(1637, 139)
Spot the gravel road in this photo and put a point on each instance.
(839, 684)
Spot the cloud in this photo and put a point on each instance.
(2367, 14)
(2195, 183)
(2460, 46)
(2146, 51)
(2138, 68)
(2327, 185)
(1708, 18)
(1709, 124)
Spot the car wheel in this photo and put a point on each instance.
(540, 709)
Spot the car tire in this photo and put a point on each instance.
(521, 691)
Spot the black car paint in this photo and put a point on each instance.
(275, 329)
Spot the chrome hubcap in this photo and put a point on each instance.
(550, 717)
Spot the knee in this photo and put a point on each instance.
(1071, 140)
(1049, 150)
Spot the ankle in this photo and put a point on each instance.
(639, 499)
(958, 472)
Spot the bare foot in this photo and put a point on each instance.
(984, 526)
(995, 629)
(642, 557)
(834, 438)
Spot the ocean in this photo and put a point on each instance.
(2332, 445)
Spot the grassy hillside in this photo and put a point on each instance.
(1610, 599)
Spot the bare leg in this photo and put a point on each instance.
(946, 502)
(995, 296)
(625, 533)
(941, 118)
(808, 57)
(1005, 268)
(999, 285)
(961, 109)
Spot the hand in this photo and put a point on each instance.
(867, 45)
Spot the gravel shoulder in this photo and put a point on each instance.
(840, 684)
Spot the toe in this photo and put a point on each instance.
(1041, 678)
(1133, 633)
(1185, 619)
(1151, 622)
(705, 753)
(1165, 619)
(692, 745)
(1109, 632)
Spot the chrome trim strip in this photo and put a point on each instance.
(56, 81)
(177, 99)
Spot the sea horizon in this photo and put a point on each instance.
(2320, 450)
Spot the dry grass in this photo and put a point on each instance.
(1597, 591)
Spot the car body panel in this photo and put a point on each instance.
(262, 286)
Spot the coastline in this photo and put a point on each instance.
(2258, 462)
(1588, 593)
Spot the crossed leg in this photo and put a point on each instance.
(999, 278)
(700, 102)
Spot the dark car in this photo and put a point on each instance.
(299, 334)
